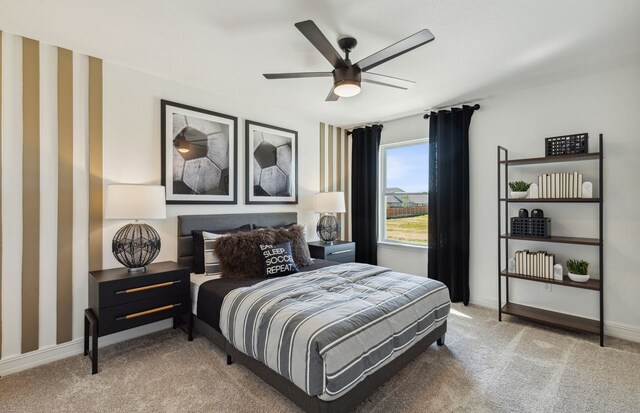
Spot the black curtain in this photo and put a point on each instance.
(364, 192)
(449, 200)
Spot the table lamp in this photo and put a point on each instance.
(328, 204)
(135, 245)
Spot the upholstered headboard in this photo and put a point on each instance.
(188, 223)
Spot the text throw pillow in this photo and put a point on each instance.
(278, 260)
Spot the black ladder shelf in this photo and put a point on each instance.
(531, 313)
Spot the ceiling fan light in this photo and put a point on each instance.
(346, 88)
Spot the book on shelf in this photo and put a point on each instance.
(579, 185)
(537, 264)
(540, 191)
(564, 185)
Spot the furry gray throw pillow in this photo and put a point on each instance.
(299, 248)
(240, 255)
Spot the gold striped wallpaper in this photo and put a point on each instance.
(44, 71)
(335, 169)
(30, 194)
(1, 136)
(64, 268)
(95, 164)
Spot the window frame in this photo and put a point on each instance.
(382, 182)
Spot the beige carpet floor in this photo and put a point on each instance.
(486, 366)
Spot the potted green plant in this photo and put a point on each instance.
(578, 270)
(519, 189)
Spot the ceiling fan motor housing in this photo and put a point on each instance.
(350, 74)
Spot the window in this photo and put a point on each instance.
(404, 186)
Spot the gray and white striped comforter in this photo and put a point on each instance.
(329, 329)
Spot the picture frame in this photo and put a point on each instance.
(199, 157)
(271, 164)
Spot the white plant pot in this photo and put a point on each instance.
(518, 194)
(578, 277)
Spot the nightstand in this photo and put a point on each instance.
(120, 300)
(339, 251)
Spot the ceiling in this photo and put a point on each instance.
(481, 48)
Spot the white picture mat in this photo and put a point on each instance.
(169, 112)
(294, 150)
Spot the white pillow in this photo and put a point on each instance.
(211, 260)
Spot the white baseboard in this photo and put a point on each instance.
(622, 331)
(613, 329)
(484, 302)
(20, 362)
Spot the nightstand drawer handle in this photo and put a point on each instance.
(147, 287)
(340, 252)
(153, 310)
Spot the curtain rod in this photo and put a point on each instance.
(349, 132)
(475, 107)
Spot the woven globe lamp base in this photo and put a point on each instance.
(328, 228)
(135, 246)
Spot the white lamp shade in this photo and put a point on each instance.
(135, 202)
(329, 202)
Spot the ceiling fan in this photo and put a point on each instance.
(346, 75)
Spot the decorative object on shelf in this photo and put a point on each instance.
(271, 164)
(537, 213)
(534, 191)
(135, 245)
(578, 270)
(560, 185)
(519, 189)
(557, 272)
(587, 189)
(328, 203)
(511, 265)
(523, 213)
(199, 160)
(567, 144)
(531, 227)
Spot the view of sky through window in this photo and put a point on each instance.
(408, 167)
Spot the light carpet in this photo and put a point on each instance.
(486, 366)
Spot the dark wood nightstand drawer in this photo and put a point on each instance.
(341, 256)
(339, 251)
(116, 286)
(141, 288)
(123, 317)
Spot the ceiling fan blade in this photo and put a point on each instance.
(309, 29)
(387, 80)
(296, 75)
(332, 97)
(396, 49)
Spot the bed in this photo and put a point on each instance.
(308, 334)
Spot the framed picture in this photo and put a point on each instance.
(199, 159)
(272, 164)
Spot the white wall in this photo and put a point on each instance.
(131, 154)
(605, 102)
(132, 147)
(608, 103)
(412, 260)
